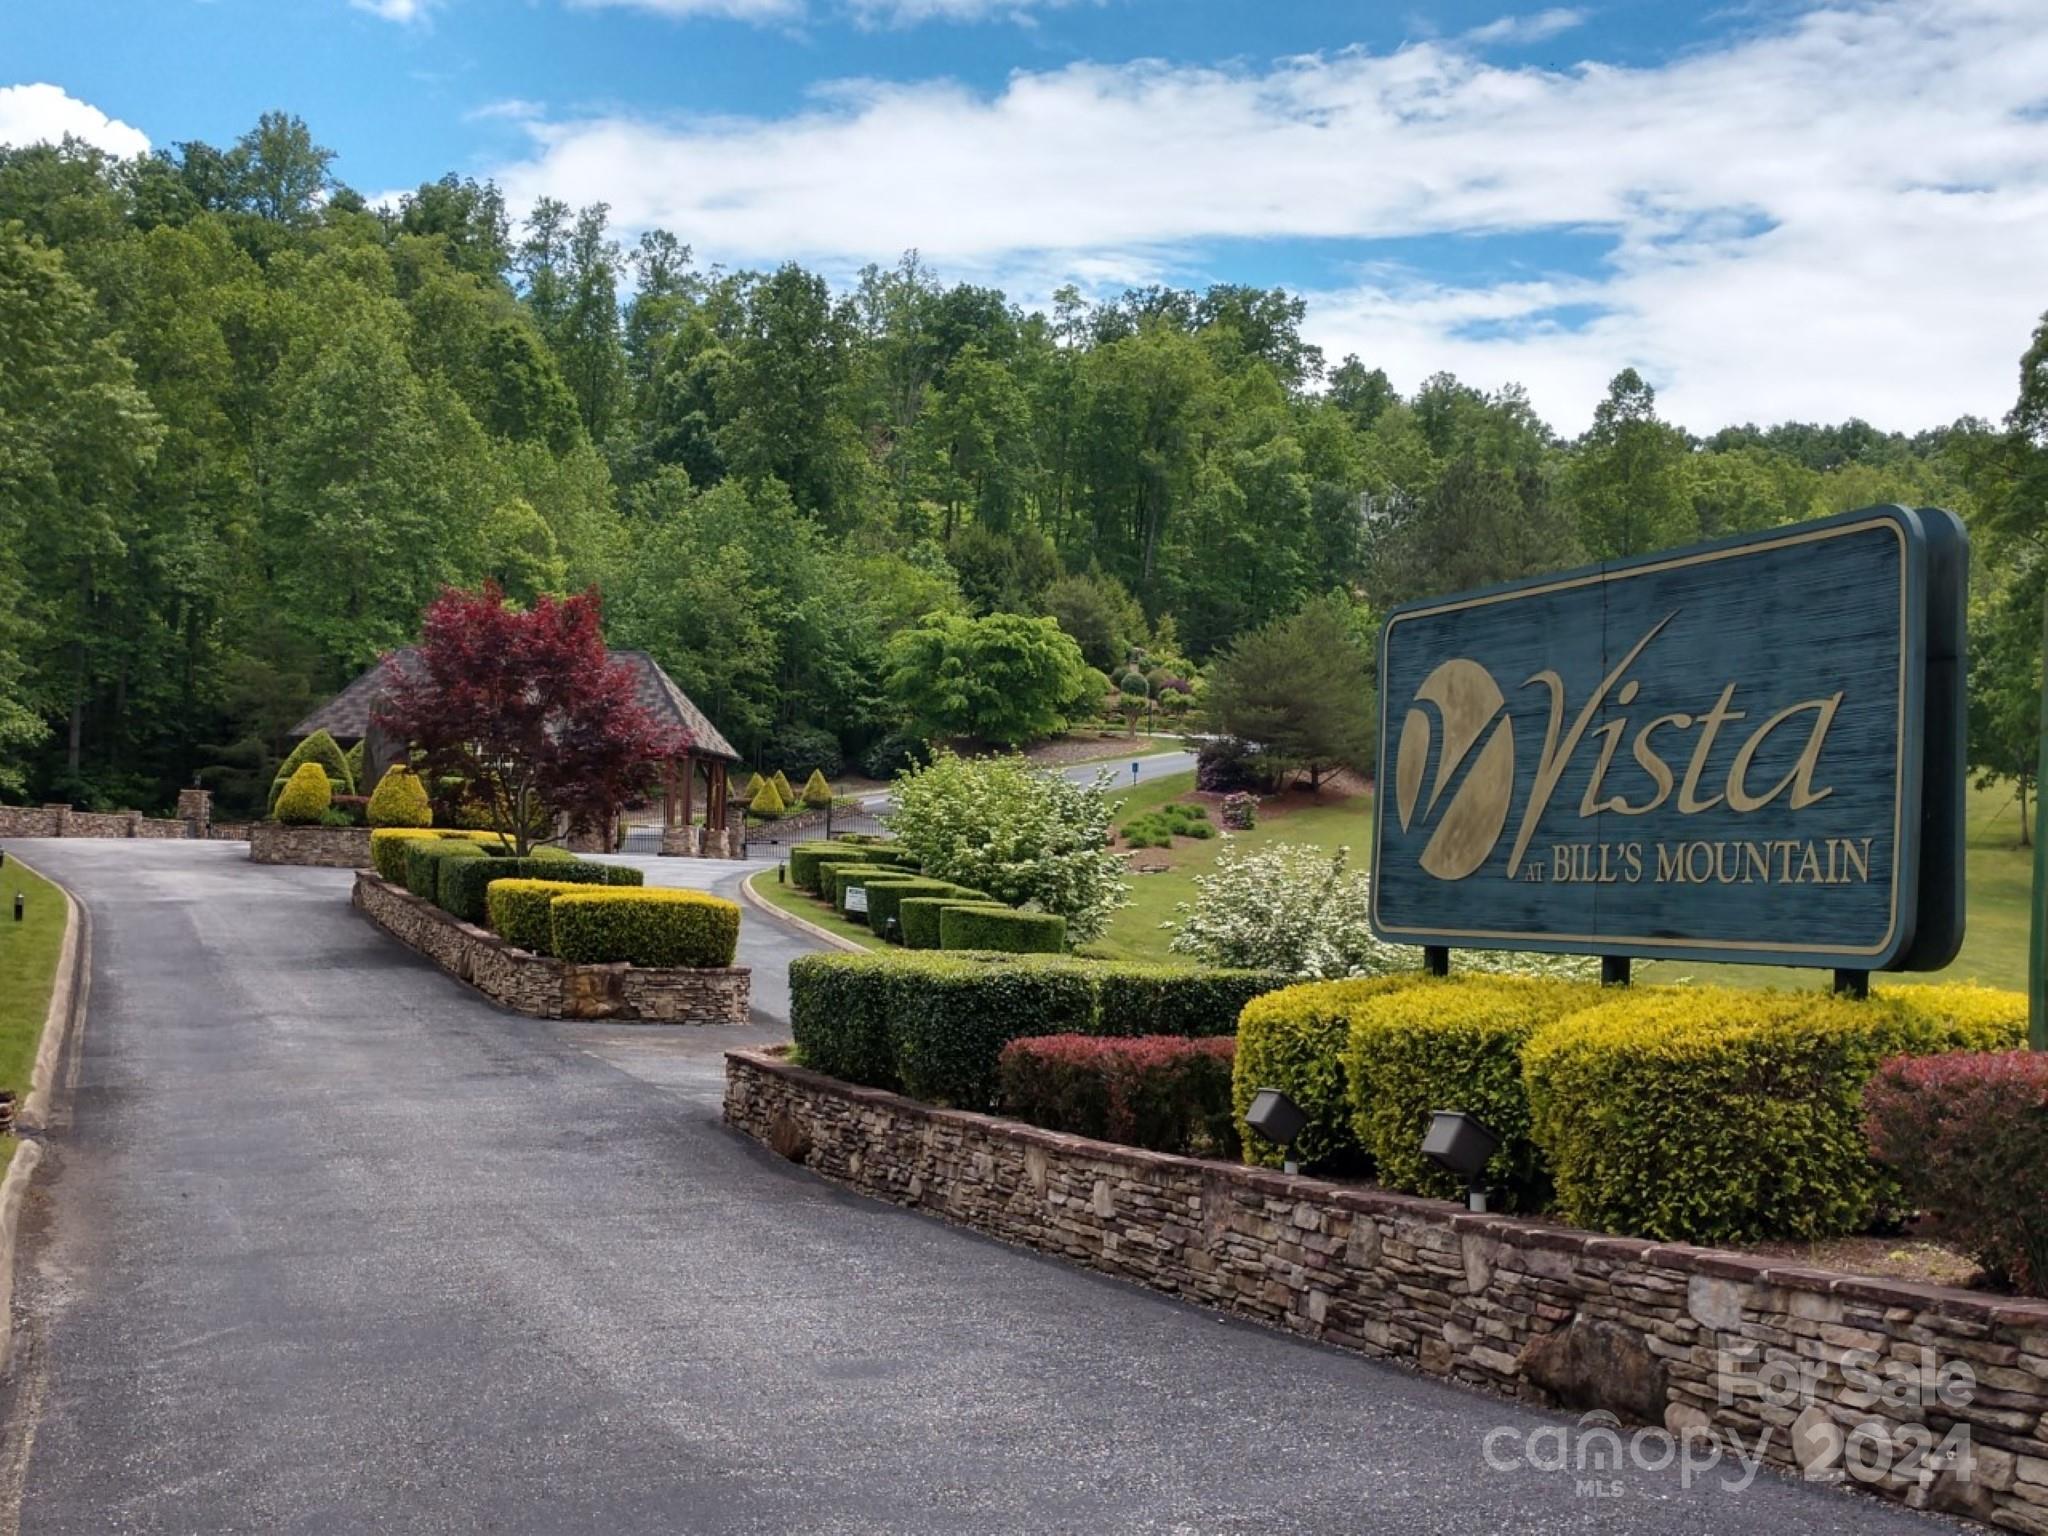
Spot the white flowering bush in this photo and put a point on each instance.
(1299, 909)
(1024, 835)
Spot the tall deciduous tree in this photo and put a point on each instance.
(528, 711)
(1628, 484)
(1005, 679)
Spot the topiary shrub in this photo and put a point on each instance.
(306, 798)
(653, 927)
(1178, 1000)
(387, 846)
(1294, 1040)
(423, 858)
(1966, 1134)
(464, 888)
(518, 910)
(766, 802)
(918, 916)
(783, 792)
(353, 758)
(950, 1029)
(842, 1015)
(1456, 1046)
(1715, 1115)
(1004, 931)
(400, 800)
(319, 748)
(817, 792)
(1163, 1092)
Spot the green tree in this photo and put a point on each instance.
(1301, 689)
(1629, 483)
(1103, 618)
(1005, 678)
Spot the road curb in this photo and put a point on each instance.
(13, 1191)
(790, 919)
(67, 1005)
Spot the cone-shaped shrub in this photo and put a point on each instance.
(305, 797)
(817, 793)
(400, 800)
(354, 758)
(766, 800)
(782, 789)
(318, 748)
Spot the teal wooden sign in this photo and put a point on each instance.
(1748, 751)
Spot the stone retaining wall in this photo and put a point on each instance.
(63, 821)
(553, 989)
(1932, 1396)
(272, 842)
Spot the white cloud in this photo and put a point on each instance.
(402, 11)
(909, 13)
(1528, 29)
(738, 10)
(1839, 215)
(44, 114)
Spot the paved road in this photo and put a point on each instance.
(333, 1246)
(1157, 766)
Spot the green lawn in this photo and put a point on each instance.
(801, 904)
(1994, 946)
(1135, 934)
(28, 968)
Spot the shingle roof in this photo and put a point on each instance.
(346, 716)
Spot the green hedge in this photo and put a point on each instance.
(886, 898)
(518, 910)
(872, 877)
(1179, 1000)
(656, 927)
(1004, 931)
(463, 887)
(424, 857)
(832, 871)
(1293, 1039)
(1717, 1115)
(1457, 1046)
(934, 1024)
(388, 845)
(919, 915)
(804, 859)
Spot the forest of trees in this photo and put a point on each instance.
(250, 425)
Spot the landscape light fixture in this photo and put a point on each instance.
(1462, 1144)
(20, 901)
(1280, 1120)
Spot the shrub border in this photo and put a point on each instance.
(545, 988)
(1505, 1303)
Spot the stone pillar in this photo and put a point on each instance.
(195, 809)
(134, 823)
(681, 842)
(60, 820)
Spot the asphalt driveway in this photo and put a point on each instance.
(328, 1244)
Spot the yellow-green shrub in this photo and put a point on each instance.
(767, 800)
(1713, 1114)
(306, 796)
(650, 926)
(387, 846)
(1982, 1018)
(321, 748)
(400, 800)
(1293, 1040)
(518, 910)
(782, 790)
(1454, 1046)
(817, 793)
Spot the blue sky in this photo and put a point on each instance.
(1772, 210)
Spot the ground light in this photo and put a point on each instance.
(1461, 1144)
(1279, 1119)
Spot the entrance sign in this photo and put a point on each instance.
(1715, 753)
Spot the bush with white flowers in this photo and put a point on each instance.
(1301, 910)
(1026, 836)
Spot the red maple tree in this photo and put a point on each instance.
(528, 711)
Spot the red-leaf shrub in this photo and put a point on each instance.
(1164, 1092)
(1967, 1134)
